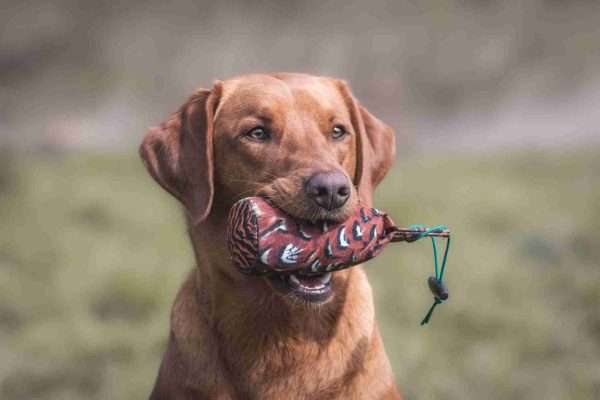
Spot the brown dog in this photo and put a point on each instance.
(305, 143)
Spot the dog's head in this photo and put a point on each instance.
(302, 141)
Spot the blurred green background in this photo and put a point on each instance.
(496, 105)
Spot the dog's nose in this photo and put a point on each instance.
(329, 190)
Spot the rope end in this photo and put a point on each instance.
(425, 320)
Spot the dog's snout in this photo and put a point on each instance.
(329, 190)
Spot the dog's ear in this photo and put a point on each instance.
(375, 146)
(179, 153)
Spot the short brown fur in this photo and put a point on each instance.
(232, 336)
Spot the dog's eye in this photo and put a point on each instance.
(338, 132)
(258, 134)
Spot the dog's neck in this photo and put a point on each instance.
(261, 334)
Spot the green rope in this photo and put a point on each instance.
(436, 301)
(439, 271)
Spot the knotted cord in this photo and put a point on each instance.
(436, 284)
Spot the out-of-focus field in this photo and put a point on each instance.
(92, 253)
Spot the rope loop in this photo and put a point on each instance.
(436, 283)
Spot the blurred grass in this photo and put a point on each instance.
(92, 254)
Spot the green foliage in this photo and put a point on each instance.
(92, 254)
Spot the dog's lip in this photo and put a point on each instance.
(316, 215)
(309, 283)
(314, 288)
(309, 211)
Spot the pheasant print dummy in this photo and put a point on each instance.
(263, 239)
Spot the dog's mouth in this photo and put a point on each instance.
(305, 211)
(303, 287)
(314, 288)
(295, 203)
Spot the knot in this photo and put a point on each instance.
(438, 288)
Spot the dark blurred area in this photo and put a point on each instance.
(497, 107)
(452, 73)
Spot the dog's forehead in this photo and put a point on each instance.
(275, 94)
